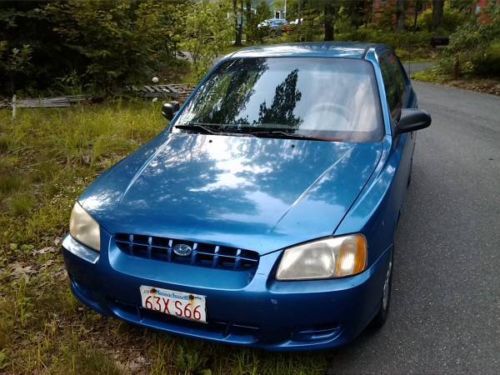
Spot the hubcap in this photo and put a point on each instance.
(385, 297)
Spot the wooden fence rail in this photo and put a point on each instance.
(62, 101)
(175, 91)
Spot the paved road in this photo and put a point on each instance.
(445, 314)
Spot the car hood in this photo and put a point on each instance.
(255, 193)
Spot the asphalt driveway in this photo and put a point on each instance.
(445, 315)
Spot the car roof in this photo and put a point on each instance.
(354, 50)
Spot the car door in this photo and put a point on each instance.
(399, 95)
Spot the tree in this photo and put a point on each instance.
(329, 20)
(328, 10)
(293, 9)
(248, 11)
(263, 12)
(284, 102)
(97, 46)
(238, 24)
(101, 31)
(207, 32)
(27, 40)
(15, 62)
(358, 12)
(400, 14)
(437, 14)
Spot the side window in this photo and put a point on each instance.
(394, 82)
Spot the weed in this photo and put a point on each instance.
(22, 204)
(3, 360)
(9, 183)
(48, 157)
(4, 143)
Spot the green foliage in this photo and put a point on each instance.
(189, 359)
(207, 32)
(452, 18)
(252, 32)
(474, 49)
(21, 204)
(311, 28)
(98, 46)
(20, 42)
(47, 148)
(84, 359)
(401, 40)
(489, 63)
(3, 360)
(263, 11)
(122, 42)
(429, 75)
(103, 46)
(14, 61)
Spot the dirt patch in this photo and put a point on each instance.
(488, 86)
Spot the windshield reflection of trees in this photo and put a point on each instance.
(284, 103)
(224, 98)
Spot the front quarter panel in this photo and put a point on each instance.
(106, 192)
(376, 211)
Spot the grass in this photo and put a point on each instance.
(47, 158)
(469, 82)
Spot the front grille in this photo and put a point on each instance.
(205, 255)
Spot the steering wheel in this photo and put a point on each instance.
(330, 110)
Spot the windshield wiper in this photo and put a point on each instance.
(212, 128)
(196, 126)
(252, 131)
(282, 133)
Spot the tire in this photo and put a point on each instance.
(385, 303)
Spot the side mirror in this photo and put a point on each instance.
(168, 110)
(412, 119)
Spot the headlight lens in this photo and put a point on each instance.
(84, 228)
(324, 259)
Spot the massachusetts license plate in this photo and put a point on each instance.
(182, 305)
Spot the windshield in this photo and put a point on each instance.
(321, 98)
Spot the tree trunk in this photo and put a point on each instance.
(248, 21)
(329, 21)
(248, 5)
(415, 15)
(437, 14)
(237, 24)
(400, 15)
(242, 12)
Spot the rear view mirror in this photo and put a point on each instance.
(412, 119)
(168, 110)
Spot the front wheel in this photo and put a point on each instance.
(381, 317)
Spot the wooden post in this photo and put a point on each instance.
(14, 107)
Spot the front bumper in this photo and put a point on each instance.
(256, 312)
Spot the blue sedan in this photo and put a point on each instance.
(264, 214)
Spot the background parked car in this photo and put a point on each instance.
(292, 25)
(297, 21)
(273, 25)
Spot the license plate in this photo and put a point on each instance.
(170, 302)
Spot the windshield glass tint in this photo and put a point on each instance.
(325, 98)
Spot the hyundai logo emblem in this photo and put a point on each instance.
(182, 250)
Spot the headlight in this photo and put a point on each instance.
(324, 259)
(84, 228)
